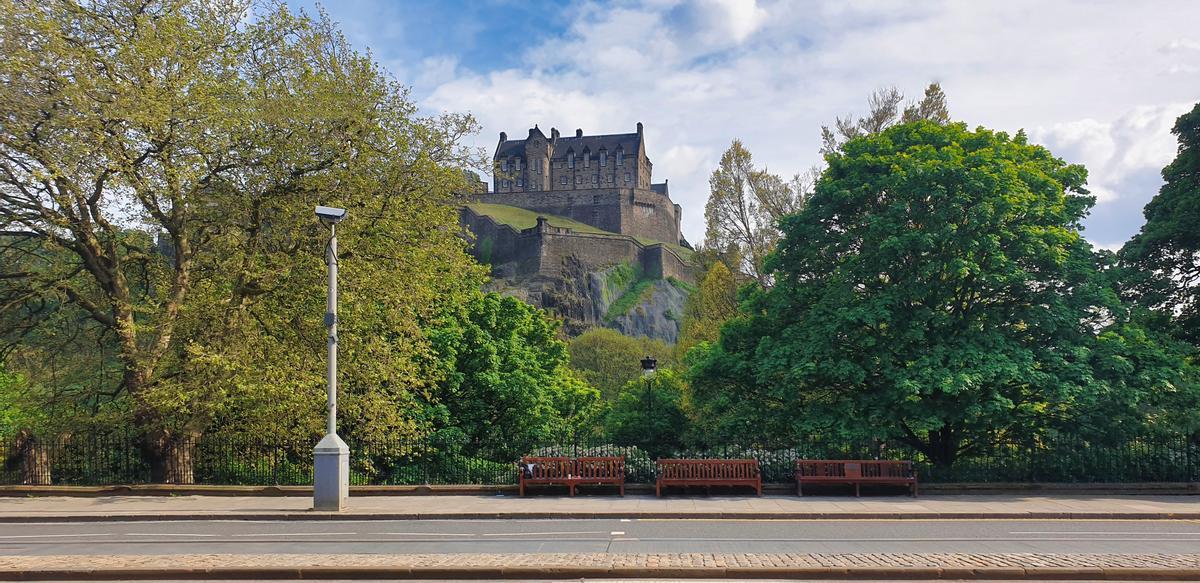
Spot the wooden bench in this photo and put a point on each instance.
(564, 471)
(744, 472)
(600, 471)
(857, 472)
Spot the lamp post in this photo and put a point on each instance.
(331, 457)
(648, 366)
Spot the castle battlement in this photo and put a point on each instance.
(601, 180)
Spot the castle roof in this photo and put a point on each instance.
(628, 142)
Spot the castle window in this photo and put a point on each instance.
(504, 165)
(578, 180)
(587, 160)
(563, 181)
(507, 184)
(595, 179)
(620, 157)
(520, 182)
(603, 157)
(571, 159)
(517, 164)
(610, 178)
(628, 177)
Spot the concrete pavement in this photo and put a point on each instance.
(13, 509)
(1042, 567)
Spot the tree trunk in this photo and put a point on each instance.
(34, 456)
(172, 457)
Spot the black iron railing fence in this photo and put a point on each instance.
(117, 458)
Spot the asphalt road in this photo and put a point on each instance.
(615, 536)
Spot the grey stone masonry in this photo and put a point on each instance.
(600, 180)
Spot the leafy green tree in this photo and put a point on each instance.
(172, 151)
(885, 110)
(608, 359)
(650, 414)
(506, 378)
(745, 204)
(713, 303)
(934, 289)
(1163, 259)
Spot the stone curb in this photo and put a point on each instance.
(314, 515)
(1127, 489)
(559, 572)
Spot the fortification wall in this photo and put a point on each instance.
(627, 211)
(544, 249)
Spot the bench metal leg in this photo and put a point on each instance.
(799, 488)
(856, 489)
(522, 488)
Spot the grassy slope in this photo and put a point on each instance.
(519, 218)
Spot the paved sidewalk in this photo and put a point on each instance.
(61, 508)
(542, 565)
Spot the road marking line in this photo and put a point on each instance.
(49, 535)
(425, 533)
(294, 534)
(537, 533)
(617, 533)
(626, 520)
(1103, 532)
(160, 534)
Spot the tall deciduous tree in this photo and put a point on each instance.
(173, 151)
(608, 359)
(885, 109)
(1163, 259)
(506, 378)
(744, 206)
(935, 289)
(713, 303)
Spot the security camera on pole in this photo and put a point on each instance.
(331, 463)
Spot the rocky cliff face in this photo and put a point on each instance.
(617, 297)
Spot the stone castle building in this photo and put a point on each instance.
(632, 244)
(603, 181)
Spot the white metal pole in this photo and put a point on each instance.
(331, 309)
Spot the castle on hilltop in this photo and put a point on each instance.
(574, 224)
(603, 181)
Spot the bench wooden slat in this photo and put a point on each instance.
(856, 472)
(561, 470)
(708, 472)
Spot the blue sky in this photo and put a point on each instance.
(1099, 82)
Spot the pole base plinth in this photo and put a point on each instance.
(331, 474)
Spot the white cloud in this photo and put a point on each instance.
(1095, 82)
(1112, 151)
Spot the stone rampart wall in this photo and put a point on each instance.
(544, 249)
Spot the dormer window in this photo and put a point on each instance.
(587, 159)
(571, 160)
(603, 158)
(517, 164)
(504, 165)
(620, 157)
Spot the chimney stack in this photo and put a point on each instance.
(553, 133)
(639, 128)
(503, 137)
(578, 133)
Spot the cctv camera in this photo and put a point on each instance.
(330, 215)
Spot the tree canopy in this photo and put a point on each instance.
(934, 289)
(1163, 259)
(159, 165)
